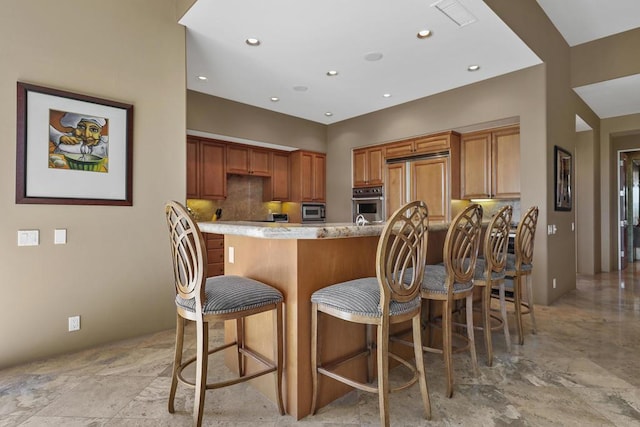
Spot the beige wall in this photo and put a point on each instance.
(220, 116)
(587, 250)
(114, 270)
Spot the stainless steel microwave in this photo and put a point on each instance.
(313, 212)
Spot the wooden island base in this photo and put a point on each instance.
(298, 268)
(298, 260)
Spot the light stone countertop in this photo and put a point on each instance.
(285, 230)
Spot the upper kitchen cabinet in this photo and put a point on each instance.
(368, 166)
(245, 160)
(308, 175)
(277, 187)
(490, 164)
(429, 144)
(433, 176)
(206, 172)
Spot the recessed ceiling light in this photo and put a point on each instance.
(387, 95)
(252, 41)
(332, 73)
(373, 56)
(328, 114)
(300, 88)
(203, 78)
(474, 67)
(423, 34)
(275, 99)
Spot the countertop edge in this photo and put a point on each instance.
(297, 231)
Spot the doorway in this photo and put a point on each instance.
(628, 207)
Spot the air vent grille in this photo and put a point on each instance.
(455, 11)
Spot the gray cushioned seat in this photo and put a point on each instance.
(479, 272)
(434, 279)
(511, 264)
(229, 294)
(360, 297)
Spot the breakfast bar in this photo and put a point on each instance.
(299, 259)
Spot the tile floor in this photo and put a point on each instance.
(582, 368)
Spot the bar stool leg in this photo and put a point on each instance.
(503, 312)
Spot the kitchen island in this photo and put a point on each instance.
(299, 259)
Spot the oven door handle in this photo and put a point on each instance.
(367, 199)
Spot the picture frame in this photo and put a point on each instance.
(563, 172)
(72, 149)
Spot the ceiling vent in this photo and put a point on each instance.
(455, 11)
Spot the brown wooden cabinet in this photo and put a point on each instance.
(368, 166)
(428, 144)
(434, 179)
(308, 175)
(430, 182)
(215, 254)
(277, 187)
(245, 160)
(395, 186)
(490, 164)
(206, 171)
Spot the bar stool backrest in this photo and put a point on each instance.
(525, 235)
(401, 252)
(188, 253)
(461, 245)
(496, 240)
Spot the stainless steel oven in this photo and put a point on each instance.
(369, 202)
(313, 212)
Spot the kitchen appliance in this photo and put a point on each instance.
(369, 202)
(313, 212)
(277, 217)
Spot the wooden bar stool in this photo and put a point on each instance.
(380, 301)
(453, 281)
(490, 273)
(202, 300)
(519, 268)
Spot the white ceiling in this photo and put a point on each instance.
(301, 40)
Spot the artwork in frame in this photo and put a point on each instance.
(563, 172)
(72, 149)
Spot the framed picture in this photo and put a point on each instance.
(73, 149)
(563, 171)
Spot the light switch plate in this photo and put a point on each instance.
(28, 237)
(60, 236)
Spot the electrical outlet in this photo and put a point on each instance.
(74, 323)
(232, 255)
(554, 283)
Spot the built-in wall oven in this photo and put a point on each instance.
(313, 212)
(369, 202)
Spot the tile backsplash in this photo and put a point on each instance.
(243, 203)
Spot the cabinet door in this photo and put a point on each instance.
(193, 183)
(375, 160)
(277, 187)
(360, 168)
(306, 177)
(431, 144)
(213, 181)
(475, 168)
(430, 183)
(399, 149)
(395, 185)
(368, 167)
(237, 159)
(319, 177)
(260, 162)
(505, 151)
